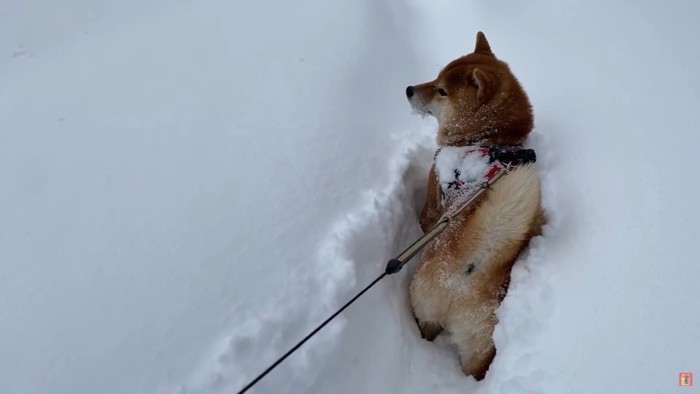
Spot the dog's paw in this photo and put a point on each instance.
(429, 330)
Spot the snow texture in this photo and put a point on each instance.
(188, 188)
(461, 171)
(468, 161)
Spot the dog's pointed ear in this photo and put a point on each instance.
(483, 82)
(482, 46)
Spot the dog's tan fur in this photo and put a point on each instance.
(465, 272)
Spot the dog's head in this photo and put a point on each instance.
(475, 95)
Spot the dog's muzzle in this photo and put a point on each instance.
(416, 103)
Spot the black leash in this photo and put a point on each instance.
(317, 329)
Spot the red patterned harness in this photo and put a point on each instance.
(462, 171)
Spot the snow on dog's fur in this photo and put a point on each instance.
(465, 272)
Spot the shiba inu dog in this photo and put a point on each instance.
(465, 272)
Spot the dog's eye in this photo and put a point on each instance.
(442, 92)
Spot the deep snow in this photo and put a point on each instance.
(188, 188)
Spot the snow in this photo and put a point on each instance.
(461, 168)
(190, 187)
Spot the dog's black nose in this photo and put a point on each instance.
(409, 91)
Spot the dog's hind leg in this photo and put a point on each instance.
(478, 364)
(476, 351)
(428, 305)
